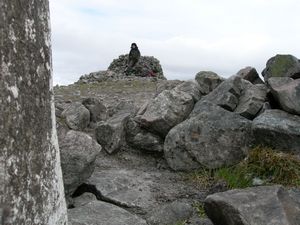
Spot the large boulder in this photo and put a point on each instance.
(213, 138)
(77, 116)
(250, 74)
(165, 111)
(270, 205)
(111, 133)
(142, 139)
(166, 85)
(98, 111)
(278, 129)
(190, 87)
(208, 81)
(286, 91)
(78, 154)
(226, 95)
(101, 213)
(146, 66)
(252, 100)
(282, 66)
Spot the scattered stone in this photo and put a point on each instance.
(277, 129)
(165, 111)
(98, 111)
(251, 101)
(282, 66)
(77, 116)
(166, 85)
(111, 133)
(171, 213)
(250, 74)
(190, 87)
(286, 91)
(100, 213)
(268, 205)
(213, 138)
(78, 154)
(142, 139)
(208, 81)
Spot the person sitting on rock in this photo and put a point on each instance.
(134, 56)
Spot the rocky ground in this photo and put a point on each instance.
(130, 145)
(138, 182)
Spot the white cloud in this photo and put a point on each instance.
(187, 36)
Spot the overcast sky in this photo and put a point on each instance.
(187, 36)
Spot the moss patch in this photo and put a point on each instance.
(281, 65)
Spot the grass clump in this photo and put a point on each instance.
(200, 209)
(262, 163)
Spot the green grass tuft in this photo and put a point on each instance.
(270, 166)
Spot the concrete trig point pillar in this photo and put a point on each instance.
(31, 186)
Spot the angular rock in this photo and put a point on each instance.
(111, 134)
(84, 199)
(250, 74)
(78, 154)
(98, 111)
(208, 81)
(127, 188)
(165, 111)
(251, 101)
(286, 91)
(166, 85)
(214, 138)
(226, 95)
(268, 205)
(278, 129)
(282, 66)
(190, 87)
(171, 213)
(100, 213)
(77, 116)
(142, 139)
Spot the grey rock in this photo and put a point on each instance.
(196, 220)
(266, 106)
(286, 91)
(166, 85)
(171, 213)
(84, 199)
(127, 188)
(78, 154)
(251, 101)
(268, 205)
(100, 213)
(282, 66)
(208, 81)
(214, 138)
(165, 111)
(226, 95)
(278, 129)
(77, 116)
(142, 139)
(98, 111)
(190, 87)
(111, 133)
(31, 186)
(250, 74)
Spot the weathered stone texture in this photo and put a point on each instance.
(33, 187)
